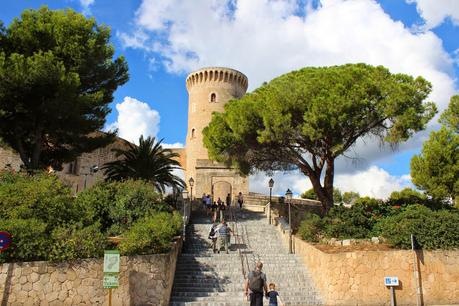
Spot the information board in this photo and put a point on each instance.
(111, 261)
(111, 280)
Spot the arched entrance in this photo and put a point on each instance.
(220, 189)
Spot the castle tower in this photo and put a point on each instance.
(209, 89)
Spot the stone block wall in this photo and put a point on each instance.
(143, 279)
(357, 277)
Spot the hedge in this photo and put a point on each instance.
(48, 223)
(152, 234)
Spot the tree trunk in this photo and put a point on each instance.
(325, 193)
(328, 183)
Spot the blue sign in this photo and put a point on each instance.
(5, 240)
(391, 281)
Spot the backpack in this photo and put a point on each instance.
(256, 282)
(212, 232)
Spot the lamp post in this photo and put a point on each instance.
(191, 183)
(185, 198)
(270, 184)
(288, 196)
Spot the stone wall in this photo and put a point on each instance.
(357, 277)
(144, 280)
(218, 180)
(76, 174)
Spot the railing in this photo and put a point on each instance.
(238, 235)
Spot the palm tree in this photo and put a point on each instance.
(148, 161)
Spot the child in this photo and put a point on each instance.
(273, 296)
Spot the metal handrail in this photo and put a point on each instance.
(240, 242)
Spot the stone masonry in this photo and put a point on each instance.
(144, 280)
(357, 277)
(209, 89)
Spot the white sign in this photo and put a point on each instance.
(391, 281)
(111, 261)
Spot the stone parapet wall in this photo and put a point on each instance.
(357, 277)
(143, 279)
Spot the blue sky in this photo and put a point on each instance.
(164, 40)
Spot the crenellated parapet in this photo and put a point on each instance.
(217, 75)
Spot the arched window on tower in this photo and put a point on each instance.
(192, 133)
(213, 97)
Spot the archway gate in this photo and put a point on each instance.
(221, 186)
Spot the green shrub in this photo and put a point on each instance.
(117, 205)
(410, 196)
(340, 222)
(309, 194)
(349, 197)
(41, 196)
(406, 197)
(433, 229)
(72, 242)
(354, 222)
(29, 240)
(151, 234)
(377, 208)
(311, 228)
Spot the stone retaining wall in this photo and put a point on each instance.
(144, 280)
(357, 277)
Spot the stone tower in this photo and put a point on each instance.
(209, 89)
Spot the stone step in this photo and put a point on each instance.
(204, 278)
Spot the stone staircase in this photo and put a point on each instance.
(203, 278)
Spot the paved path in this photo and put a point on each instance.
(203, 278)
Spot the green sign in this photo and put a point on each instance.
(111, 261)
(111, 280)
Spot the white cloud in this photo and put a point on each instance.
(135, 118)
(86, 4)
(295, 181)
(173, 145)
(374, 182)
(435, 12)
(264, 39)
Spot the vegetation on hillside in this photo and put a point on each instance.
(435, 224)
(48, 223)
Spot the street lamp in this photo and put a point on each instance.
(288, 196)
(191, 183)
(184, 197)
(270, 184)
